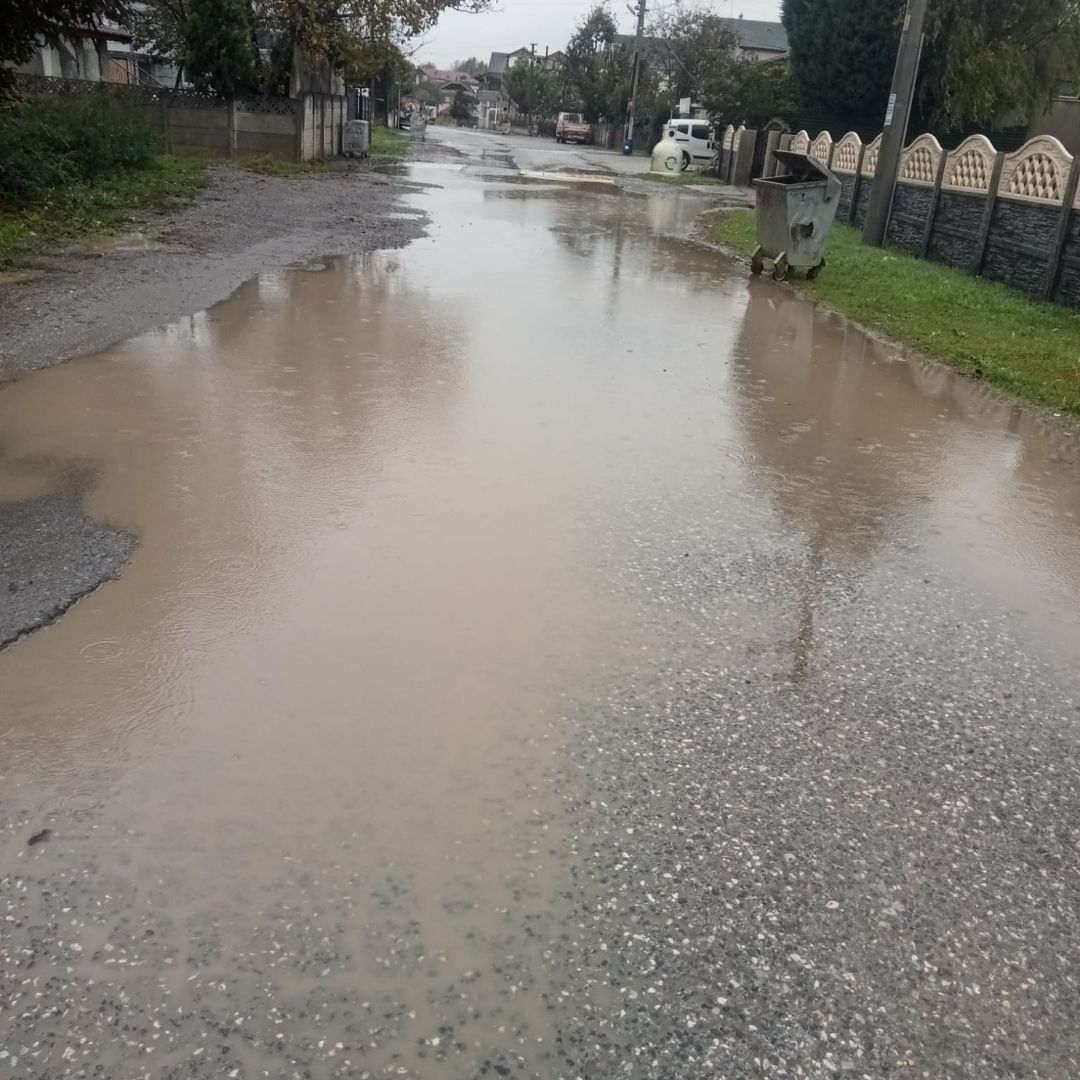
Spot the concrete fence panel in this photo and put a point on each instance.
(969, 167)
(965, 187)
(846, 163)
(1021, 239)
(915, 197)
(821, 149)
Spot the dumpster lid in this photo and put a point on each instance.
(802, 165)
(807, 169)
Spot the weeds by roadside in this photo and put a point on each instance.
(49, 144)
(986, 330)
(386, 145)
(79, 209)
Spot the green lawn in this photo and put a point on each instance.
(95, 206)
(1025, 346)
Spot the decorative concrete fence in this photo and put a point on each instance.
(303, 128)
(1013, 218)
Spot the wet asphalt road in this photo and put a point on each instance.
(546, 654)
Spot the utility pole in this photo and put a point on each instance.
(896, 123)
(628, 135)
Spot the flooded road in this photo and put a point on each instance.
(546, 653)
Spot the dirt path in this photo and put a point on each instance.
(189, 257)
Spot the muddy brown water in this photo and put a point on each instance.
(298, 762)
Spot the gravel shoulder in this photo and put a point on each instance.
(190, 256)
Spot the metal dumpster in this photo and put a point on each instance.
(795, 213)
(356, 138)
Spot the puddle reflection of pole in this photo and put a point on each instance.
(809, 598)
(613, 294)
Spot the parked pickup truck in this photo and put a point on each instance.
(571, 127)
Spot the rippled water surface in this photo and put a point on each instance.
(306, 763)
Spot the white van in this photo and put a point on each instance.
(695, 139)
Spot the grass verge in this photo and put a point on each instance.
(80, 209)
(986, 330)
(388, 144)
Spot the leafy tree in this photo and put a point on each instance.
(459, 107)
(473, 66)
(425, 93)
(533, 89)
(589, 60)
(843, 53)
(27, 22)
(217, 51)
(748, 92)
(693, 45)
(983, 59)
(325, 28)
(159, 27)
(365, 61)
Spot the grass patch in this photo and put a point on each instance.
(91, 206)
(388, 144)
(986, 330)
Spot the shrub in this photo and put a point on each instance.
(49, 143)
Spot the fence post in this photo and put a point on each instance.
(988, 216)
(857, 184)
(1061, 232)
(232, 126)
(300, 119)
(166, 136)
(772, 144)
(935, 198)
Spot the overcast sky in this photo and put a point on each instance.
(547, 22)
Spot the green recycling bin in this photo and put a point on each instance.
(795, 214)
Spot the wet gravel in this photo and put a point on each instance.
(847, 849)
(51, 554)
(243, 224)
(844, 853)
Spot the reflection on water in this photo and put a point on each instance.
(305, 744)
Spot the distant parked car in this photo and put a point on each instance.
(571, 127)
(695, 140)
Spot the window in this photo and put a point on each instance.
(682, 129)
(700, 131)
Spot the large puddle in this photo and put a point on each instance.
(301, 763)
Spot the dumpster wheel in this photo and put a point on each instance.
(757, 261)
(814, 271)
(780, 267)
